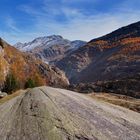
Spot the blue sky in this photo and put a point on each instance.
(24, 20)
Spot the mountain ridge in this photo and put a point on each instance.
(107, 59)
(134, 28)
(50, 48)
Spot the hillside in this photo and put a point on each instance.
(50, 48)
(47, 113)
(23, 67)
(111, 62)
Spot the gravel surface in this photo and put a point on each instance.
(46, 113)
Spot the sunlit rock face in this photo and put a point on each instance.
(24, 66)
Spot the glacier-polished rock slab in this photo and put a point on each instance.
(46, 113)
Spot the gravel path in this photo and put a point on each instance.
(47, 113)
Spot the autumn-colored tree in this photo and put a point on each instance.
(39, 81)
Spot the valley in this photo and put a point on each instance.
(110, 63)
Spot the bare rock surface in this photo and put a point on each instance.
(46, 113)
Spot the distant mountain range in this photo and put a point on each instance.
(50, 48)
(23, 66)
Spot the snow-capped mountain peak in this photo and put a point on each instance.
(40, 41)
(49, 48)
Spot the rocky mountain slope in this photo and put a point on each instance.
(50, 48)
(23, 67)
(46, 113)
(111, 62)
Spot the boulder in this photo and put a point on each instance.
(3, 94)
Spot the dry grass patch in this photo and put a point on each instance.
(121, 100)
(7, 98)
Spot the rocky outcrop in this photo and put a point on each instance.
(46, 113)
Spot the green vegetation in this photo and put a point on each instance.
(11, 84)
(30, 83)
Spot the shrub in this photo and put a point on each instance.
(30, 83)
(11, 84)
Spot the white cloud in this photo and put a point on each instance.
(11, 24)
(77, 1)
(87, 28)
(78, 25)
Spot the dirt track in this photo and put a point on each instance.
(47, 113)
